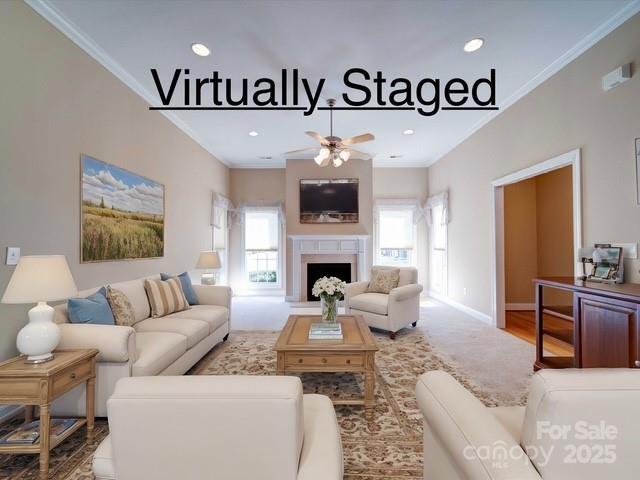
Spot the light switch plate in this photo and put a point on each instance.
(13, 255)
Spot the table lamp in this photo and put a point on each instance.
(208, 260)
(40, 279)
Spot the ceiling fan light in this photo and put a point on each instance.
(337, 161)
(344, 155)
(318, 159)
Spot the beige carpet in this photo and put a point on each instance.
(388, 448)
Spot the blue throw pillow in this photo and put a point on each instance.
(187, 286)
(93, 309)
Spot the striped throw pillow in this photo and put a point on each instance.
(165, 297)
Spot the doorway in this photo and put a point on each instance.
(537, 234)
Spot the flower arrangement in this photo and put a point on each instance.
(330, 290)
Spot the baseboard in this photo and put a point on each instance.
(520, 306)
(483, 317)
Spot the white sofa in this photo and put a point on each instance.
(464, 440)
(224, 427)
(168, 345)
(392, 312)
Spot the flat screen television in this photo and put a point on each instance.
(329, 201)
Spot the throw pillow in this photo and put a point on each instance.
(165, 297)
(187, 286)
(93, 309)
(383, 281)
(121, 307)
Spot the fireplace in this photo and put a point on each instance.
(319, 270)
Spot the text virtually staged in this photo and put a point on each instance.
(292, 91)
(320, 240)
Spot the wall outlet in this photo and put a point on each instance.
(13, 255)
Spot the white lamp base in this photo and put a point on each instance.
(40, 336)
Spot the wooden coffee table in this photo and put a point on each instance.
(355, 353)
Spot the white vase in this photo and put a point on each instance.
(40, 336)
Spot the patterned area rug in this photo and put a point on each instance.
(389, 448)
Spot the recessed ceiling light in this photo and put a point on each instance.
(253, 133)
(265, 158)
(473, 45)
(408, 131)
(200, 49)
(395, 156)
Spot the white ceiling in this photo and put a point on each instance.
(526, 42)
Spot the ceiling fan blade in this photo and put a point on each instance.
(357, 154)
(302, 150)
(318, 138)
(366, 137)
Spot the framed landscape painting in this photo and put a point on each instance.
(122, 214)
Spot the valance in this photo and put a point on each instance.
(221, 206)
(396, 203)
(435, 201)
(239, 211)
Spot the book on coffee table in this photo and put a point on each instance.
(325, 331)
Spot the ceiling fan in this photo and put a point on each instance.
(335, 150)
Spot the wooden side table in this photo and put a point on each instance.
(39, 385)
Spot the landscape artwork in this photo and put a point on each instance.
(122, 214)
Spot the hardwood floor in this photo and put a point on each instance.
(558, 341)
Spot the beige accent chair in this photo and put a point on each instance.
(392, 312)
(464, 440)
(224, 427)
(168, 345)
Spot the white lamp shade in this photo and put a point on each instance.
(40, 278)
(208, 259)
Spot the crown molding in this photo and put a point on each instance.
(46, 10)
(554, 67)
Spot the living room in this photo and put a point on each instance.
(285, 220)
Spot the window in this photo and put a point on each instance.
(220, 240)
(438, 250)
(262, 248)
(396, 236)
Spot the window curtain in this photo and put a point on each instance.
(220, 206)
(380, 204)
(437, 200)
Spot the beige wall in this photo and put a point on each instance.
(520, 241)
(538, 231)
(307, 169)
(406, 183)
(568, 111)
(251, 185)
(57, 102)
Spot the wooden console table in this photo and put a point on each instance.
(606, 324)
(39, 385)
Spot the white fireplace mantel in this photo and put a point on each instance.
(357, 245)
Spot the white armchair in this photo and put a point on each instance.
(392, 312)
(577, 425)
(226, 427)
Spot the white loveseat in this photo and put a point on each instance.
(392, 312)
(222, 427)
(577, 425)
(168, 345)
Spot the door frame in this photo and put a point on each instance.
(572, 159)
